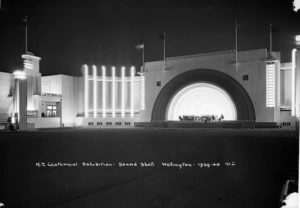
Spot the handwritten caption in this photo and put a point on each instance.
(180, 165)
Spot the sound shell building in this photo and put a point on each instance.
(256, 86)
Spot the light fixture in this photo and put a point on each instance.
(86, 90)
(293, 80)
(103, 92)
(113, 91)
(19, 75)
(123, 92)
(297, 38)
(132, 72)
(95, 90)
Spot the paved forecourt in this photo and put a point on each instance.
(89, 167)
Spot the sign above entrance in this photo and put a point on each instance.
(32, 113)
(51, 94)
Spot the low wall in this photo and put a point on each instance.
(45, 122)
(105, 122)
(222, 124)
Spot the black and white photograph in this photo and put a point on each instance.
(149, 103)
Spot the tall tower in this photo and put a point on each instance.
(20, 100)
(33, 77)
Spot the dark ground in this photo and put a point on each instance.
(264, 160)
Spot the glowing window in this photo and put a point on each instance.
(51, 111)
(28, 64)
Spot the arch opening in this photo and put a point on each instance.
(201, 99)
(244, 109)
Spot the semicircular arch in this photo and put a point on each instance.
(241, 99)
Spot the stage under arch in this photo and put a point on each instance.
(237, 98)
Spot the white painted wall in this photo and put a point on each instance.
(69, 104)
(5, 88)
(250, 63)
(47, 122)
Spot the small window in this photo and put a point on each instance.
(127, 123)
(99, 123)
(51, 111)
(118, 123)
(286, 124)
(246, 77)
(109, 123)
(90, 123)
(158, 83)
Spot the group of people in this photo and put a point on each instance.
(204, 118)
(11, 126)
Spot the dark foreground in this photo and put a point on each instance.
(253, 167)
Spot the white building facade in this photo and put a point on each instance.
(256, 88)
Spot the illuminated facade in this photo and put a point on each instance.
(108, 100)
(254, 88)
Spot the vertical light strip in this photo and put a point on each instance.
(132, 72)
(18, 99)
(293, 80)
(123, 93)
(37, 103)
(270, 85)
(86, 90)
(95, 90)
(103, 92)
(142, 92)
(113, 92)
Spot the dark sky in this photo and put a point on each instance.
(70, 33)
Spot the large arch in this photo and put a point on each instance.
(244, 106)
(200, 99)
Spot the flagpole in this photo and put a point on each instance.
(270, 39)
(143, 57)
(26, 34)
(164, 50)
(236, 42)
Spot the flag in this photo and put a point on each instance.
(140, 46)
(163, 36)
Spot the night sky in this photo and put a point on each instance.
(69, 33)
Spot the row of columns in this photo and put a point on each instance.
(104, 95)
